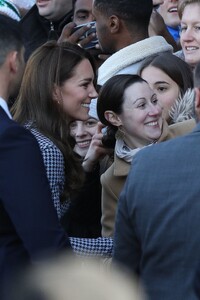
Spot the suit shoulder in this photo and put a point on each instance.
(12, 131)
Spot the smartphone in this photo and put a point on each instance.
(92, 29)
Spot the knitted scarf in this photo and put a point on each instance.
(126, 153)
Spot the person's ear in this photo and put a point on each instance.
(197, 103)
(13, 61)
(112, 118)
(57, 94)
(114, 24)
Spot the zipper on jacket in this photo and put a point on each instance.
(52, 33)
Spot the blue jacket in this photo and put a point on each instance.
(29, 227)
(157, 226)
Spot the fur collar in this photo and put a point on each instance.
(183, 108)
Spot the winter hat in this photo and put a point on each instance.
(9, 9)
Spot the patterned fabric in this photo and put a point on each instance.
(54, 164)
(101, 247)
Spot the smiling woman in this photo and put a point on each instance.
(170, 78)
(57, 87)
(133, 116)
(189, 13)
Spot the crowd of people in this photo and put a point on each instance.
(99, 144)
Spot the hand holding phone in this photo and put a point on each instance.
(90, 33)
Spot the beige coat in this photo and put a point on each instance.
(114, 178)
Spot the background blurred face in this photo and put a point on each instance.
(168, 11)
(83, 12)
(53, 9)
(190, 33)
(165, 88)
(76, 93)
(82, 132)
(142, 115)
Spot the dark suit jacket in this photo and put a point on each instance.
(157, 226)
(29, 228)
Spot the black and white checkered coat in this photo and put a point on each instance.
(54, 164)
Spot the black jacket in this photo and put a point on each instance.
(83, 219)
(37, 30)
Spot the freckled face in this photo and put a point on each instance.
(166, 89)
(142, 115)
(77, 92)
(190, 33)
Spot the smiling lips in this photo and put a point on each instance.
(87, 105)
(191, 48)
(173, 10)
(153, 123)
(83, 144)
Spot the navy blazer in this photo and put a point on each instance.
(29, 227)
(157, 233)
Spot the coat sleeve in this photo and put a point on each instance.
(26, 195)
(126, 244)
(109, 201)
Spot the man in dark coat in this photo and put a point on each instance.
(45, 21)
(29, 227)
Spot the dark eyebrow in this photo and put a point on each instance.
(87, 80)
(86, 11)
(141, 98)
(161, 82)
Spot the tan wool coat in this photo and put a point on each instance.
(114, 178)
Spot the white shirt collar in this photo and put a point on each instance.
(4, 105)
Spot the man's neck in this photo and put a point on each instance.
(129, 40)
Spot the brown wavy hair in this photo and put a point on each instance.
(51, 64)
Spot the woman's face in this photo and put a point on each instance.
(76, 93)
(82, 132)
(141, 119)
(166, 89)
(190, 33)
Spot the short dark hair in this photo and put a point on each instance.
(177, 69)
(133, 12)
(10, 37)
